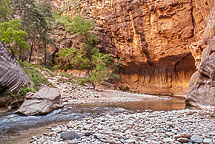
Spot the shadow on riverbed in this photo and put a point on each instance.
(13, 125)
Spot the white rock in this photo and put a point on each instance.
(168, 140)
(207, 141)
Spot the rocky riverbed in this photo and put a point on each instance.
(150, 127)
(140, 119)
(73, 93)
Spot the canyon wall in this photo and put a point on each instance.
(159, 40)
(202, 84)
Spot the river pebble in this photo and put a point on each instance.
(69, 135)
(196, 139)
(73, 93)
(182, 126)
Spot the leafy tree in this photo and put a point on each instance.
(36, 19)
(98, 66)
(22, 22)
(13, 37)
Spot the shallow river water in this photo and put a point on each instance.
(18, 128)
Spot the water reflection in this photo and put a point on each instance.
(156, 105)
(11, 123)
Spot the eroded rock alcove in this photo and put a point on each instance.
(155, 39)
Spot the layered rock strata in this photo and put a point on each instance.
(153, 37)
(12, 75)
(202, 84)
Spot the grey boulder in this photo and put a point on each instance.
(69, 135)
(42, 102)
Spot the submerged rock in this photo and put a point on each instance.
(42, 102)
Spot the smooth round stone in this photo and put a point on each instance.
(207, 141)
(168, 140)
(183, 140)
(151, 130)
(74, 141)
(196, 139)
(130, 141)
(88, 133)
(169, 133)
(98, 136)
(69, 135)
(174, 131)
(212, 133)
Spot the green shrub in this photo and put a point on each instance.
(87, 56)
(35, 76)
(65, 74)
(51, 73)
(82, 81)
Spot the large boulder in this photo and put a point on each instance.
(42, 102)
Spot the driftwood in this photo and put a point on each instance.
(12, 75)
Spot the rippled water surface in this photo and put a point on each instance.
(12, 125)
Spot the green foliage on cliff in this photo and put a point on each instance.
(25, 24)
(35, 75)
(36, 18)
(97, 64)
(85, 56)
(81, 26)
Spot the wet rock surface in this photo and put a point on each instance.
(42, 102)
(184, 126)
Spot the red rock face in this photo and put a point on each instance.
(155, 38)
(202, 84)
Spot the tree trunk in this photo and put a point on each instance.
(32, 47)
(53, 55)
(45, 53)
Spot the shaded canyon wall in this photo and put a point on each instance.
(202, 84)
(155, 38)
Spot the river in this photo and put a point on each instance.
(18, 128)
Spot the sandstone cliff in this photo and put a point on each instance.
(12, 76)
(155, 38)
(202, 84)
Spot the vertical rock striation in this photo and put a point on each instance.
(12, 75)
(202, 90)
